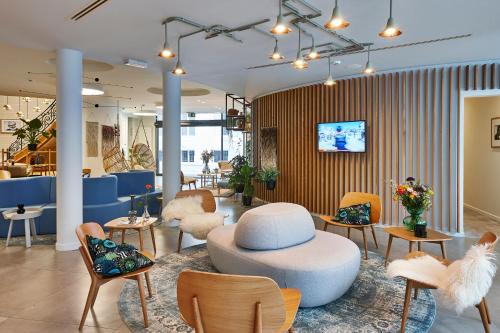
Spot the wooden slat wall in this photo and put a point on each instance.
(412, 122)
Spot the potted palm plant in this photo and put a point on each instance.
(32, 132)
(247, 174)
(268, 176)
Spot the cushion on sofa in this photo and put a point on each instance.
(274, 226)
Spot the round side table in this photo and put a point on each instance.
(29, 222)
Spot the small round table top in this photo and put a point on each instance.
(122, 223)
(403, 233)
(30, 213)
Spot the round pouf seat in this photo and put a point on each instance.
(323, 267)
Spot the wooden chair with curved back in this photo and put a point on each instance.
(356, 198)
(95, 230)
(211, 302)
(4, 174)
(488, 238)
(187, 181)
(208, 204)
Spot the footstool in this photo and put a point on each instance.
(279, 241)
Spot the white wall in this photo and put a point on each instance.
(481, 162)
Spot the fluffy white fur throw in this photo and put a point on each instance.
(181, 207)
(463, 283)
(199, 225)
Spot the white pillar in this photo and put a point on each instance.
(171, 135)
(69, 148)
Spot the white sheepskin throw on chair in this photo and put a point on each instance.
(468, 280)
(462, 284)
(181, 207)
(199, 225)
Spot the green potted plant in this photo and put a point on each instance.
(247, 174)
(268, 176)
(235, 177)
(32, 132)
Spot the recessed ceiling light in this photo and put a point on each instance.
(91, 89)
(145, 114)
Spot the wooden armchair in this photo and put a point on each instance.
(356, 198)
(208, 204)
(95, 230)
(187, 181)
(211, 303)
(488, 238)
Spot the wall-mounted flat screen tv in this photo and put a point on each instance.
(348, 136)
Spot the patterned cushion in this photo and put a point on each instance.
(356, 214)
(111, 259)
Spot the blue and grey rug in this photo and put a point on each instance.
(374, 303)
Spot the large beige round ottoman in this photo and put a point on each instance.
(289, 250)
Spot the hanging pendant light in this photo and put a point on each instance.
(313, 53)
(390, 30)
(166, 52)
(368, 67)
(276, 55)
(329, 80)
(280, 27)
(19, 113)
(336, 21)
(299, 62)
(178, 69)
(7, 106)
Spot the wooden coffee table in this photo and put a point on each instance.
(121, 224)
(433, 236)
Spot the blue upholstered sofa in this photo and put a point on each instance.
(104, 198)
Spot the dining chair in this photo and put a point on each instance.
(95, 230)
(356, 198)
(208, 204)
(213, 303)
(187, 181)
(413, 285)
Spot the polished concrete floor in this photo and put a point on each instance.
(44, 291)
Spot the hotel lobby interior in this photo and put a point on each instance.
(249, 166)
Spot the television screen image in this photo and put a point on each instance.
(349, 136)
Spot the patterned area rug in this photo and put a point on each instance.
(21, 241)
(374, 303)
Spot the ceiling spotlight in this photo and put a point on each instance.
(280, 27)
(329, 80)
(313, 53)
(299, 62)
(276, 55)
(7, 106)
(166, 52)
(390, 30)
(368, 67)
(336, 21)
(92, 89)
(178, 69)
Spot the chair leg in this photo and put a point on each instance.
(349, 233)
(179, 242)
(143, 300)
(95, 296)
(374, 237)
(484, 316)
(90, 297)
(406, 306)
(487, 310)
(365, 243)
(148, 284)
(326, 225)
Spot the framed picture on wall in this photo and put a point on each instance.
(495, 132)
(10, 125)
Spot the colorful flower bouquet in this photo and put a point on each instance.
(415, 197)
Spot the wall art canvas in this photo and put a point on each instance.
(11, 125)
(495, 132)
(269, 147)
(91, 138)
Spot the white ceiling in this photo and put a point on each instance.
(131, 28)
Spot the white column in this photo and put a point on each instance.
(69, 148)
(171, 135)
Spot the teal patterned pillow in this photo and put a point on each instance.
(111, 259)
(356, 214)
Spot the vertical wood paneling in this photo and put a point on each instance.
(412, 130)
